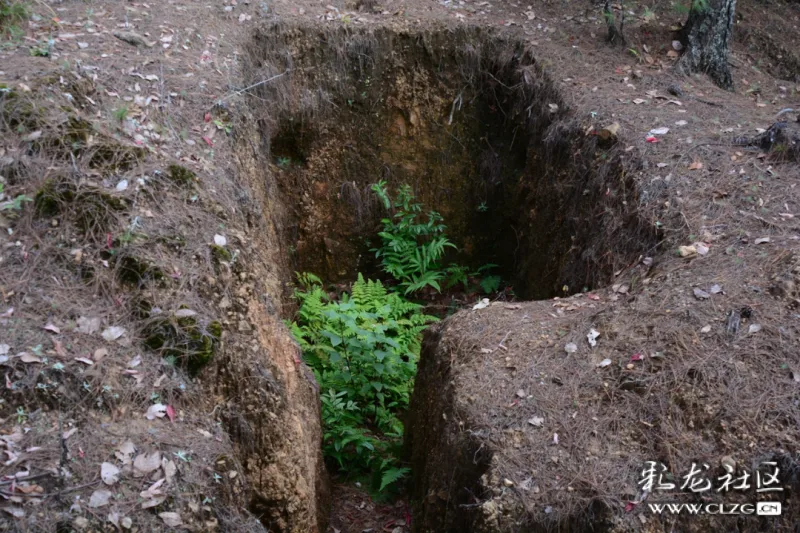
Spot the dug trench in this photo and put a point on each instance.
(144, 292)
(471, 122)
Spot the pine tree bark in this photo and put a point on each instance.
(615, 36)
(707, 37)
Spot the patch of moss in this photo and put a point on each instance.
(49, 199)
(185, 338)
(18, 112)
(133, 271)
(220, 254)
(92, 210)
(114, 157)
(181, 175)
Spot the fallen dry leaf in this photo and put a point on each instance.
(16, 512)
(171, 519)
(26, 357)
(113, 333)
(153, 490)
(696, 165)
(125, 452)
(157, 410)
(536, 421)
(109, 473)
(99, 498)
(89, 326)
(146, 463)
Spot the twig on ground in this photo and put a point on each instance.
(262, 82)
(501, 345)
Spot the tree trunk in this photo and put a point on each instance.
(707, 38)
(615, 36)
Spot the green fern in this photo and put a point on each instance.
(363, 350)
(411, 247)
(393, 475)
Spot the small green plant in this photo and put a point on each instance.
(363, 350)
(121, 113)
(43, 49)
(14, 204)
(224, 126)
(284, 162)
(489, 283)
(482, 208)
(411, 247)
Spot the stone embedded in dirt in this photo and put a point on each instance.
(700, 294)
(687, 251)
(133, 38)
(571, 347)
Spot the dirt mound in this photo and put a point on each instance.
(546, 415)
(148, 380)
(519, 424)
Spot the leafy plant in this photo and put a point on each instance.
(411, 247)
(363, 350)
(14, 204)
(490, 284)
(457, 274)
(43, 48)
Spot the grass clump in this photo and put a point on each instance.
(12, 14)
(363, 349)
(181, 175)
(183, 338)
